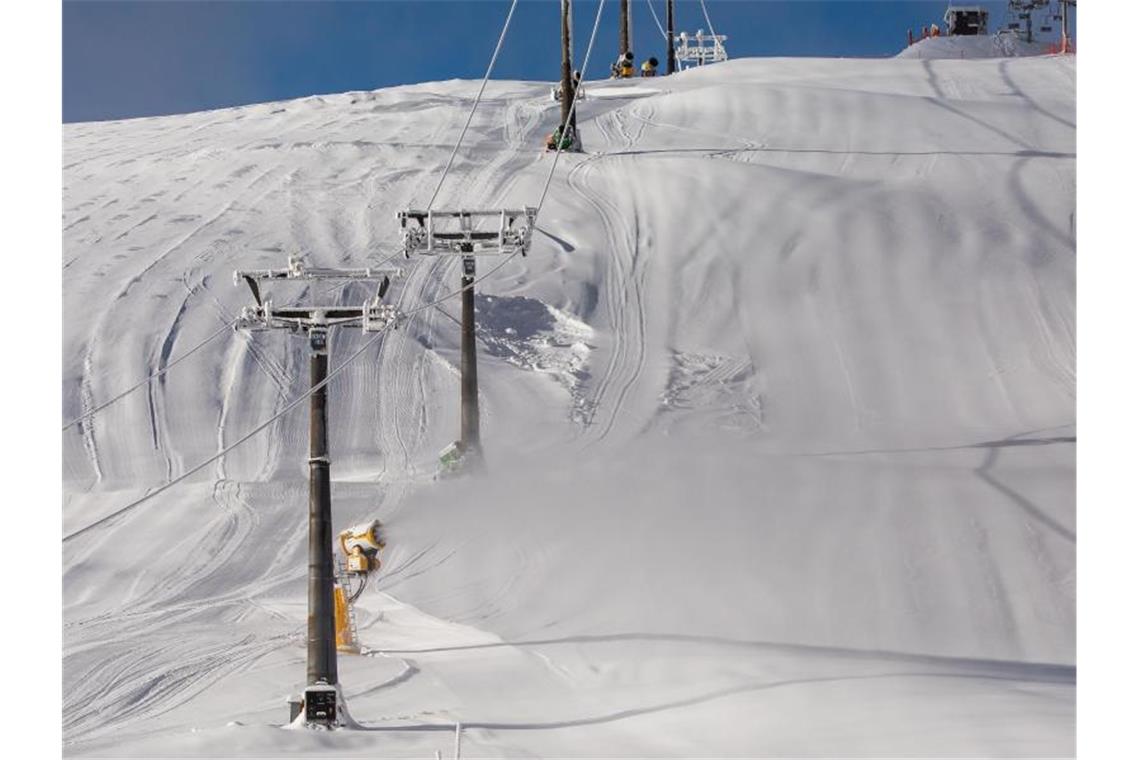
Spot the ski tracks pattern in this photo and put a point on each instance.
(625, 308)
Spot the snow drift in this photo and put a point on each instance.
(779, 414)
(1000, 45)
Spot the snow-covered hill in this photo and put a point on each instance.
(779, 414)
(1001, 45)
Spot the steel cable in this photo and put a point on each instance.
(478, 97)
(657, 20)
(159, 373)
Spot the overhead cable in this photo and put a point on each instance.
(152, 376)
(656, 19)
(478, 97)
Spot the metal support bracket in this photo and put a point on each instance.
(296, 270)
(442, 233)
(700, 49)
(371, 316)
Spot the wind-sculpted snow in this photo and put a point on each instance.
(778, 411)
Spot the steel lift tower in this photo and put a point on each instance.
(322, 703)
(467, 234)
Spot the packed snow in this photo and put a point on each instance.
(778, 413)
(1001, 45)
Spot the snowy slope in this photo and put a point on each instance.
(1001, 45)
(779, 412)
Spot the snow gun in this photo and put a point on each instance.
(361, 545)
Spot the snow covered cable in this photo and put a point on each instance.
(708, 21)
(571, 112)
(657, 20)
(288, 407)
(144, 381)
(478, 97)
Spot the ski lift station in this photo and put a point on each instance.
(966, 20)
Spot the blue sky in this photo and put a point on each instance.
(151, 57)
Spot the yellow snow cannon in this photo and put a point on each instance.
(361, 545)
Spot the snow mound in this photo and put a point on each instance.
(1001, 45)
(537, 337)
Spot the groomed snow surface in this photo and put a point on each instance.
(779, 415)
(1001, 45)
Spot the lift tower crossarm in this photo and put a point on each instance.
(433, 232)
(296, 270)
(372, 317)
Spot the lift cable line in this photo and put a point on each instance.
(153, 376)
(657, 19)
(340, 367)
(705, 10)
(285, 410)
(478, 97)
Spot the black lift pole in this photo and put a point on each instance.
(670, 53)
(469, 378)
(322, 636)
(623, 28)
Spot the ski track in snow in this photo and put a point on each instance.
(797, 255)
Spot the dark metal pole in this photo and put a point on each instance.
(469, 379)
(322, 636)
(567, 88)
(670, 54)
(623, 28)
